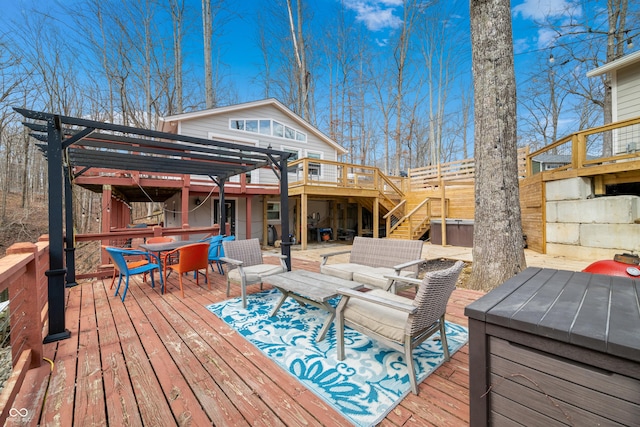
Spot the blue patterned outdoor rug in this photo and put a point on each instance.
(365, 386)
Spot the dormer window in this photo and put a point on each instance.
(267, 127)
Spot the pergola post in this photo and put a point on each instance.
(284, 211)
(223, 208)
(70, 247)
(56, 273)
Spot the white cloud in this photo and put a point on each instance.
(376, 15)
(546, 38)
(520, 46)
(543, 9)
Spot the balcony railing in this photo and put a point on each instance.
(317, 172)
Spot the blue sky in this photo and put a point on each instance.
(379, 17)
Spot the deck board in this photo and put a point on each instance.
(166, 360)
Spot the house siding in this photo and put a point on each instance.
(627, 106)
(628, 92)
(218, 124)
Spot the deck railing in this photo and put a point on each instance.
(124, 236)
(328, 173)
(582, 152)
(456, 172)
(22, 272)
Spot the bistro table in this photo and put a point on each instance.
(311, 288)
(158, 248)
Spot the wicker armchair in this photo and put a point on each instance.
(246, 266)
(400, 322)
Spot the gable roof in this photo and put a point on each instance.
(169, 123)
(622, 62)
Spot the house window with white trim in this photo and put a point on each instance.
(267, 127)
(315, 169)
(295, 155)
(273, 211)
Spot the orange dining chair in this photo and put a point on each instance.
(193, 257)
(159, 239)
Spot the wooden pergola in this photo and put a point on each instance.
(74, 145)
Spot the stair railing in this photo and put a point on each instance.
(394, 216)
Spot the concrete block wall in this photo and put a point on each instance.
(580, 226)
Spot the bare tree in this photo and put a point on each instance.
(578, 43)
(207, 29)
(542, 103)
(285, 44)
(401, 55)
(347, 61)
(176, 8)
(386, 103)
(498, 251)
(303, 75)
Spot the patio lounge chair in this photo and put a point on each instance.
(246, 265)
(119, 257)
(397, 321)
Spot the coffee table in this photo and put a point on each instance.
(311, 288)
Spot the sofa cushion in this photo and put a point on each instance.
(375, 276)
(384, 321)
(255, 273)
(343, 271)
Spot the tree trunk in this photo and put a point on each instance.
(208, 65)
(177, 18)
(498, 251)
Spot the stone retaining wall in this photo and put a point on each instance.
(580, 225)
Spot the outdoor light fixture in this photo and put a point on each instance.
(629, 43)
(551, 59)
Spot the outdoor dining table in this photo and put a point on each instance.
(158, 248)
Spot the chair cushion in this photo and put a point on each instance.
(382, 320)
(255, 273)
(343, 271)
(375, 276)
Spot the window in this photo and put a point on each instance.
(267, 127)
(294, 157)
(273, 211)
(289, 133)
(295, 153)
(315, 169)
(251, 126)
(278, 129)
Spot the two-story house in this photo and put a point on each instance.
(252, 201)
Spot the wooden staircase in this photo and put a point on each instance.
(413, 224)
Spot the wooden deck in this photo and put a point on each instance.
(159, 360)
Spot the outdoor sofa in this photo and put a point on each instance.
(372, 259)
